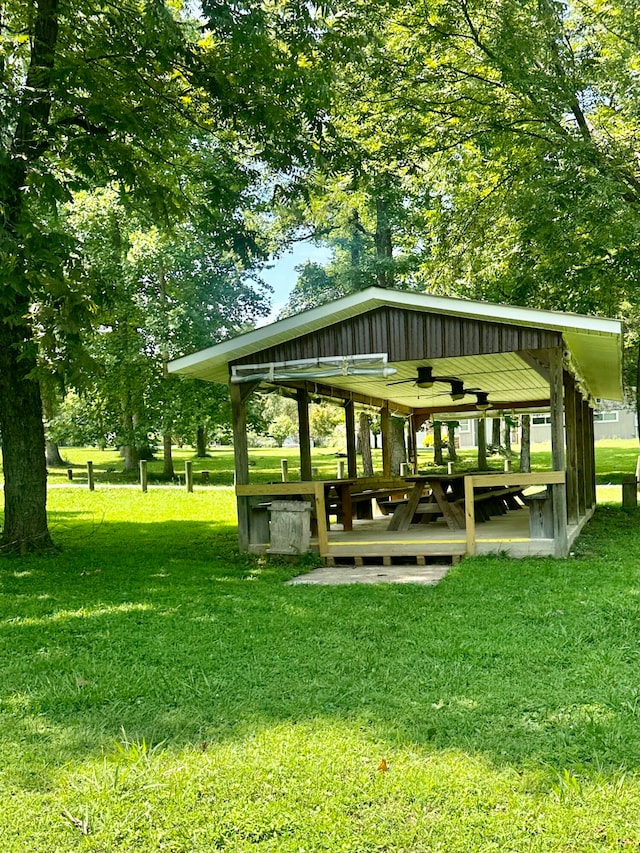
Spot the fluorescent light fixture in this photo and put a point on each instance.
(374, 365)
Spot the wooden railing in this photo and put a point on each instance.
(543, 478)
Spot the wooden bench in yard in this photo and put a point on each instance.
(540, 514)
(363, 491)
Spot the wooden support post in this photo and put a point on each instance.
(188, 475)
(482, 444)
(321, 510)
(350, 427)
(591, 459)
(413, 443)
(205, 477)
(507, 465)
(385, 430)
(340, 470)
(571, 403)
(587, 423)
(239, 396)
(143, 475)
(69, 473)
(90, 481)
(580, 439)
(470, 516)
(284, 470)
(556, 394)
(302, 398)
(629, 491)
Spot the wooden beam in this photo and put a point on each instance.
(350, 427)
(556, 393)
(428, 414)
(538, 360)
(302, 399)
(246, 389)
(333, 393)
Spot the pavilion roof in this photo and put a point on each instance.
(493, 347)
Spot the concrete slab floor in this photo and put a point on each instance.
(334, 575)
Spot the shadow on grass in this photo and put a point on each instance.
(165, 632)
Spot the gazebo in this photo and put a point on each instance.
(425, 358)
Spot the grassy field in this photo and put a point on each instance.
(160, 692)
(615, 458)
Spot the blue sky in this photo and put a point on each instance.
(282, 276)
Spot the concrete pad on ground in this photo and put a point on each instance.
(334, 575)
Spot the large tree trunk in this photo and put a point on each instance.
(437, 443)
(201, 442)
(23, 451)
(23, 456)
(129, 452)
(398, 448)
(52, 454)
(451, 442)
(167, 455)
(52, 451)
(495, 434)
(384, 244)
(507, 438)
(364, 433)
(525, 444)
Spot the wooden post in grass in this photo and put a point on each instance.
(188, 474)
(90, 476)
(143, 475)
(69, 473)
(284, 469)
(629, 491)
(206, 477)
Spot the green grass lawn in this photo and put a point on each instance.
(160, 692)
(614, 459)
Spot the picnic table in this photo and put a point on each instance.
(442, 494)
(345, 495)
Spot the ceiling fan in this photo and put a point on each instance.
(425, 378)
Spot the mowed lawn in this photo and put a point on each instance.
(159, 692)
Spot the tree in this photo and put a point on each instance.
(110, 94)
(364, 435)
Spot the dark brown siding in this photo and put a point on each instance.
(408, 336)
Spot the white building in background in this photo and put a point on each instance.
(611, 420)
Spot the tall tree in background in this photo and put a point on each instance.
(508, 132)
